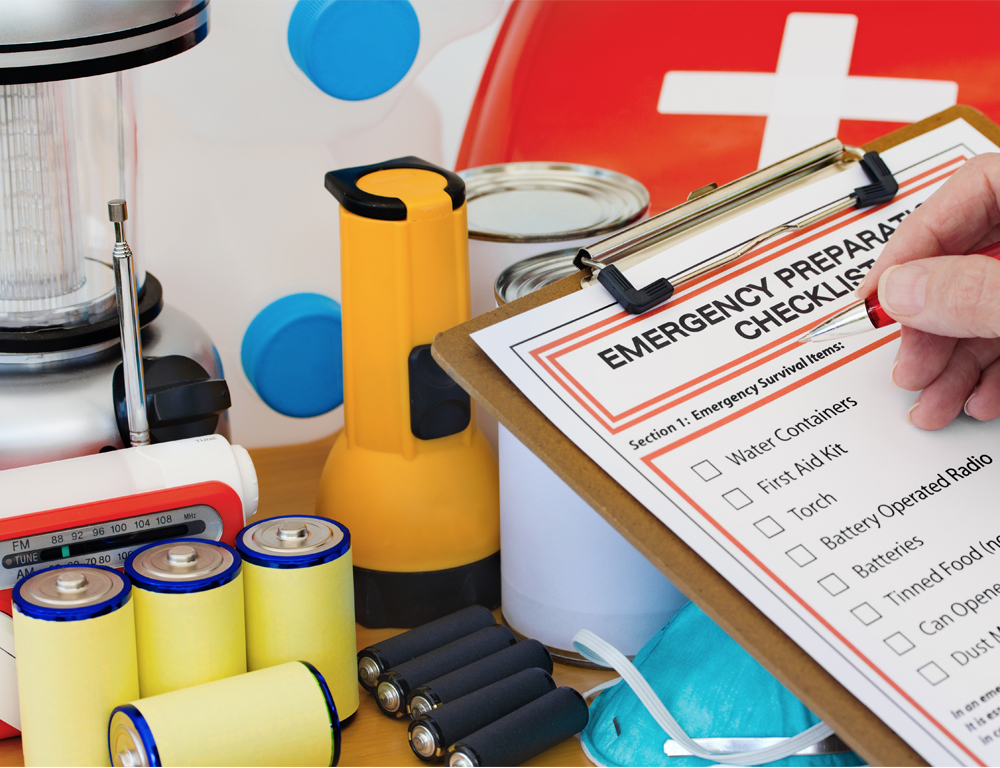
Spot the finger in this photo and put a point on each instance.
(921, 358)
(955, 219)
(984, 402)
(943, 399)
(987, 240)
(948, 295)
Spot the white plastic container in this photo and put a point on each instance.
(563, 568)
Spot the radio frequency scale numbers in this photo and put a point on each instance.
(108, 543)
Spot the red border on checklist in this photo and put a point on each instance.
(548, 354)
(651, 457)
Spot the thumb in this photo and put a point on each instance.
(954, 296)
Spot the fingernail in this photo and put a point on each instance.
(860, 288)
(913, 407)
(905, 289)
(966, 406)
(892, 374)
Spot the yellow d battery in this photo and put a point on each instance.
(74, 630)
(281, 715)
(299, 590)
(188, 614)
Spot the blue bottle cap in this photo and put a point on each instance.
(354, 49)
(292, 355)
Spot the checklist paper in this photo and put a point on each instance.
(791, 467)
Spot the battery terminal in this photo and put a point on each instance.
(182, 556)
(293, 534)
(423, 742)
(71, 581)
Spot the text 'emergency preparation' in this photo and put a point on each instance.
(819, 279)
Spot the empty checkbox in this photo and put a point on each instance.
(866, 614)
(800, 555)
(737, 499)
(932, 673)
(769, 527)
(706, 470)
(900, 643)
(833, 584)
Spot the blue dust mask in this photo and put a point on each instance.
(693, 671)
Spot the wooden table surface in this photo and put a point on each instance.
(289, 478)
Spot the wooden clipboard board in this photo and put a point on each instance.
(462, 358)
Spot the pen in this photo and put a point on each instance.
(867, 315)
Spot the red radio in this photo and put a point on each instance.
(97, 509)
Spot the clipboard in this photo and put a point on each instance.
(465, 362)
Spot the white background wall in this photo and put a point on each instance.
(234, 144)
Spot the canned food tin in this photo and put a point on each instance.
(521, 209)
(550, 202)
(532, 273)
(517, 210)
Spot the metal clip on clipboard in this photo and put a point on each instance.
(710, 201)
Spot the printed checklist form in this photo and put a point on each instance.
(791, 467)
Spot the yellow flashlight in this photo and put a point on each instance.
(411, 475)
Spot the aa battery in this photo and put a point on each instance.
(432, 733)
(395, 685)
(379, 658)
(281, 715)
(516, 738)
(74, 626)
(479, 674)
(189, 625)
(299, 589)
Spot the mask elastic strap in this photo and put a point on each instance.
(598, 651)
(602, 687)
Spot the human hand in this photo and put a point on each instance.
(948, 305)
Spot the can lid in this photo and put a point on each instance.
(71, 592)
(293, 541)
(130, 740)
(183, 565)
(528, 275)
(549, 202)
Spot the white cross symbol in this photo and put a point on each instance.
(806, 98)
